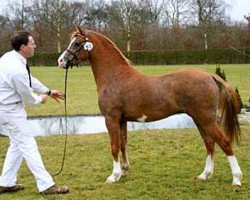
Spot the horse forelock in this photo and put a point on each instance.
(73, 35)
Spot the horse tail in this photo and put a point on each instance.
(229, 109)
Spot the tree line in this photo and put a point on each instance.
(134, 25)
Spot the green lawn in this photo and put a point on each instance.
(82, 95)
(164, 164)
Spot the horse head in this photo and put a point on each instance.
(77, 51)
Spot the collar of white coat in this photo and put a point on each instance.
(20, 57)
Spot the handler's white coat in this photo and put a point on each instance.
(14, 91)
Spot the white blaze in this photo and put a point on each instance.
(61, 62)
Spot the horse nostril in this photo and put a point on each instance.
(60, 62)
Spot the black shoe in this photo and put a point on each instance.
(56, 189)
(14, 188)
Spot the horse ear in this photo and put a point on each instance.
(80, 30)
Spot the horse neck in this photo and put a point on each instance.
(106, 62)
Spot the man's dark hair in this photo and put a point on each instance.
(20, 38)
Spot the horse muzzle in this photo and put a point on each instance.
(63, 62)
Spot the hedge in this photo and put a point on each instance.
(174, 57)
(213, 56)
(44, 59)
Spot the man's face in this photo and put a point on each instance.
(29, 49)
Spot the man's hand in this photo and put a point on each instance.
(44, 98)
(57, 95)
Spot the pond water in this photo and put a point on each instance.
(89, 124)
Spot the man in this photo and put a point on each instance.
(17, 87)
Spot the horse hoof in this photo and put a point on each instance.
(237, 179)
(124, 172)
(202, 178)
(109, 181)
(114, 178)
(236, 185)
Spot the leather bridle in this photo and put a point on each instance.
(75, 60)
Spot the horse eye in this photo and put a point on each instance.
(77, 44)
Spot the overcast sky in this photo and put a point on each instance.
(238, 9)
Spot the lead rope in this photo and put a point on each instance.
(66, 123)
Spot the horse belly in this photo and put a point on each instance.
(150, 101)
(149, 110)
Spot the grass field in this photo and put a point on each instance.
(82, 95)
(164, 164)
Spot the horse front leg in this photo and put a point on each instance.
(123, 135)
(113, 126)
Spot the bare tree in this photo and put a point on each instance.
(94, 14)
(128, 19)
(154, 8)
(17, 13)
(134, 25)
(247, 17)
(208, 13)
(5, 30)
(178, 12)
(131, 17)
(122, 16)
(148, 33)
(52, 19)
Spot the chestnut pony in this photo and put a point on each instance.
(125, 94)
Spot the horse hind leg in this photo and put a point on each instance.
(209, 166)
(225, 144)
(113, 127)
(123, 139)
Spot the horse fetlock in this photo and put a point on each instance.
(126, 167)
(125, 171)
